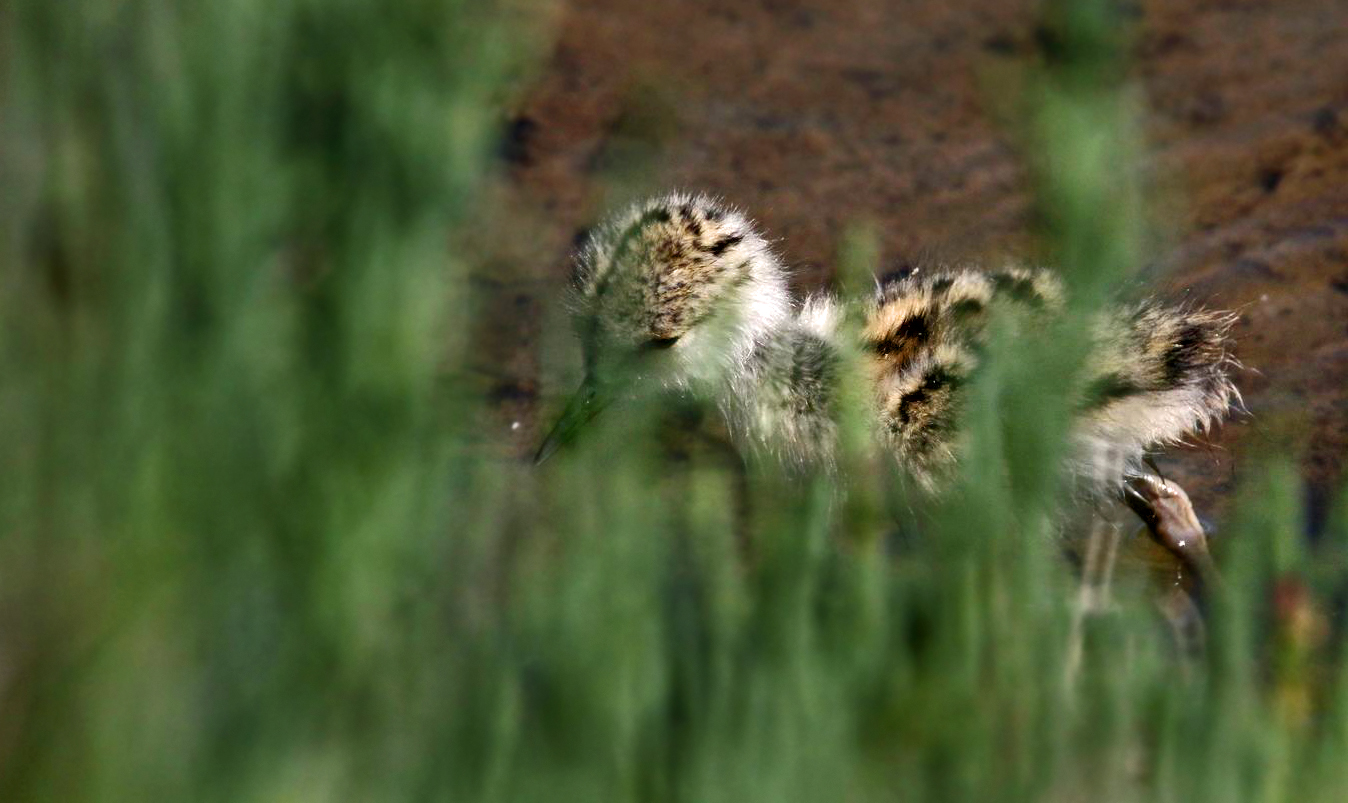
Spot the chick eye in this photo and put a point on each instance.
(660, 343)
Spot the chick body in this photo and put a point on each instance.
(684, 293)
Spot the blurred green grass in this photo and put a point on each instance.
(247, 553)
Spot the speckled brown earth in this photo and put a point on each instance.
(814, 114)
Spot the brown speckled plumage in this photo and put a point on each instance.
(923, 333)
(1154, 374)
(656, 271)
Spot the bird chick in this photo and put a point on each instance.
(683, 293)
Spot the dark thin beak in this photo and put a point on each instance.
(584, 405)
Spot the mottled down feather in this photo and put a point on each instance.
(1155, 373)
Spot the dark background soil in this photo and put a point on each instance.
(816, 114)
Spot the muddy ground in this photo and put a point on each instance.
(815, 114)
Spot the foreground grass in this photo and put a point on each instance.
(245, 552)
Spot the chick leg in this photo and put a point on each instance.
(1097, 573)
